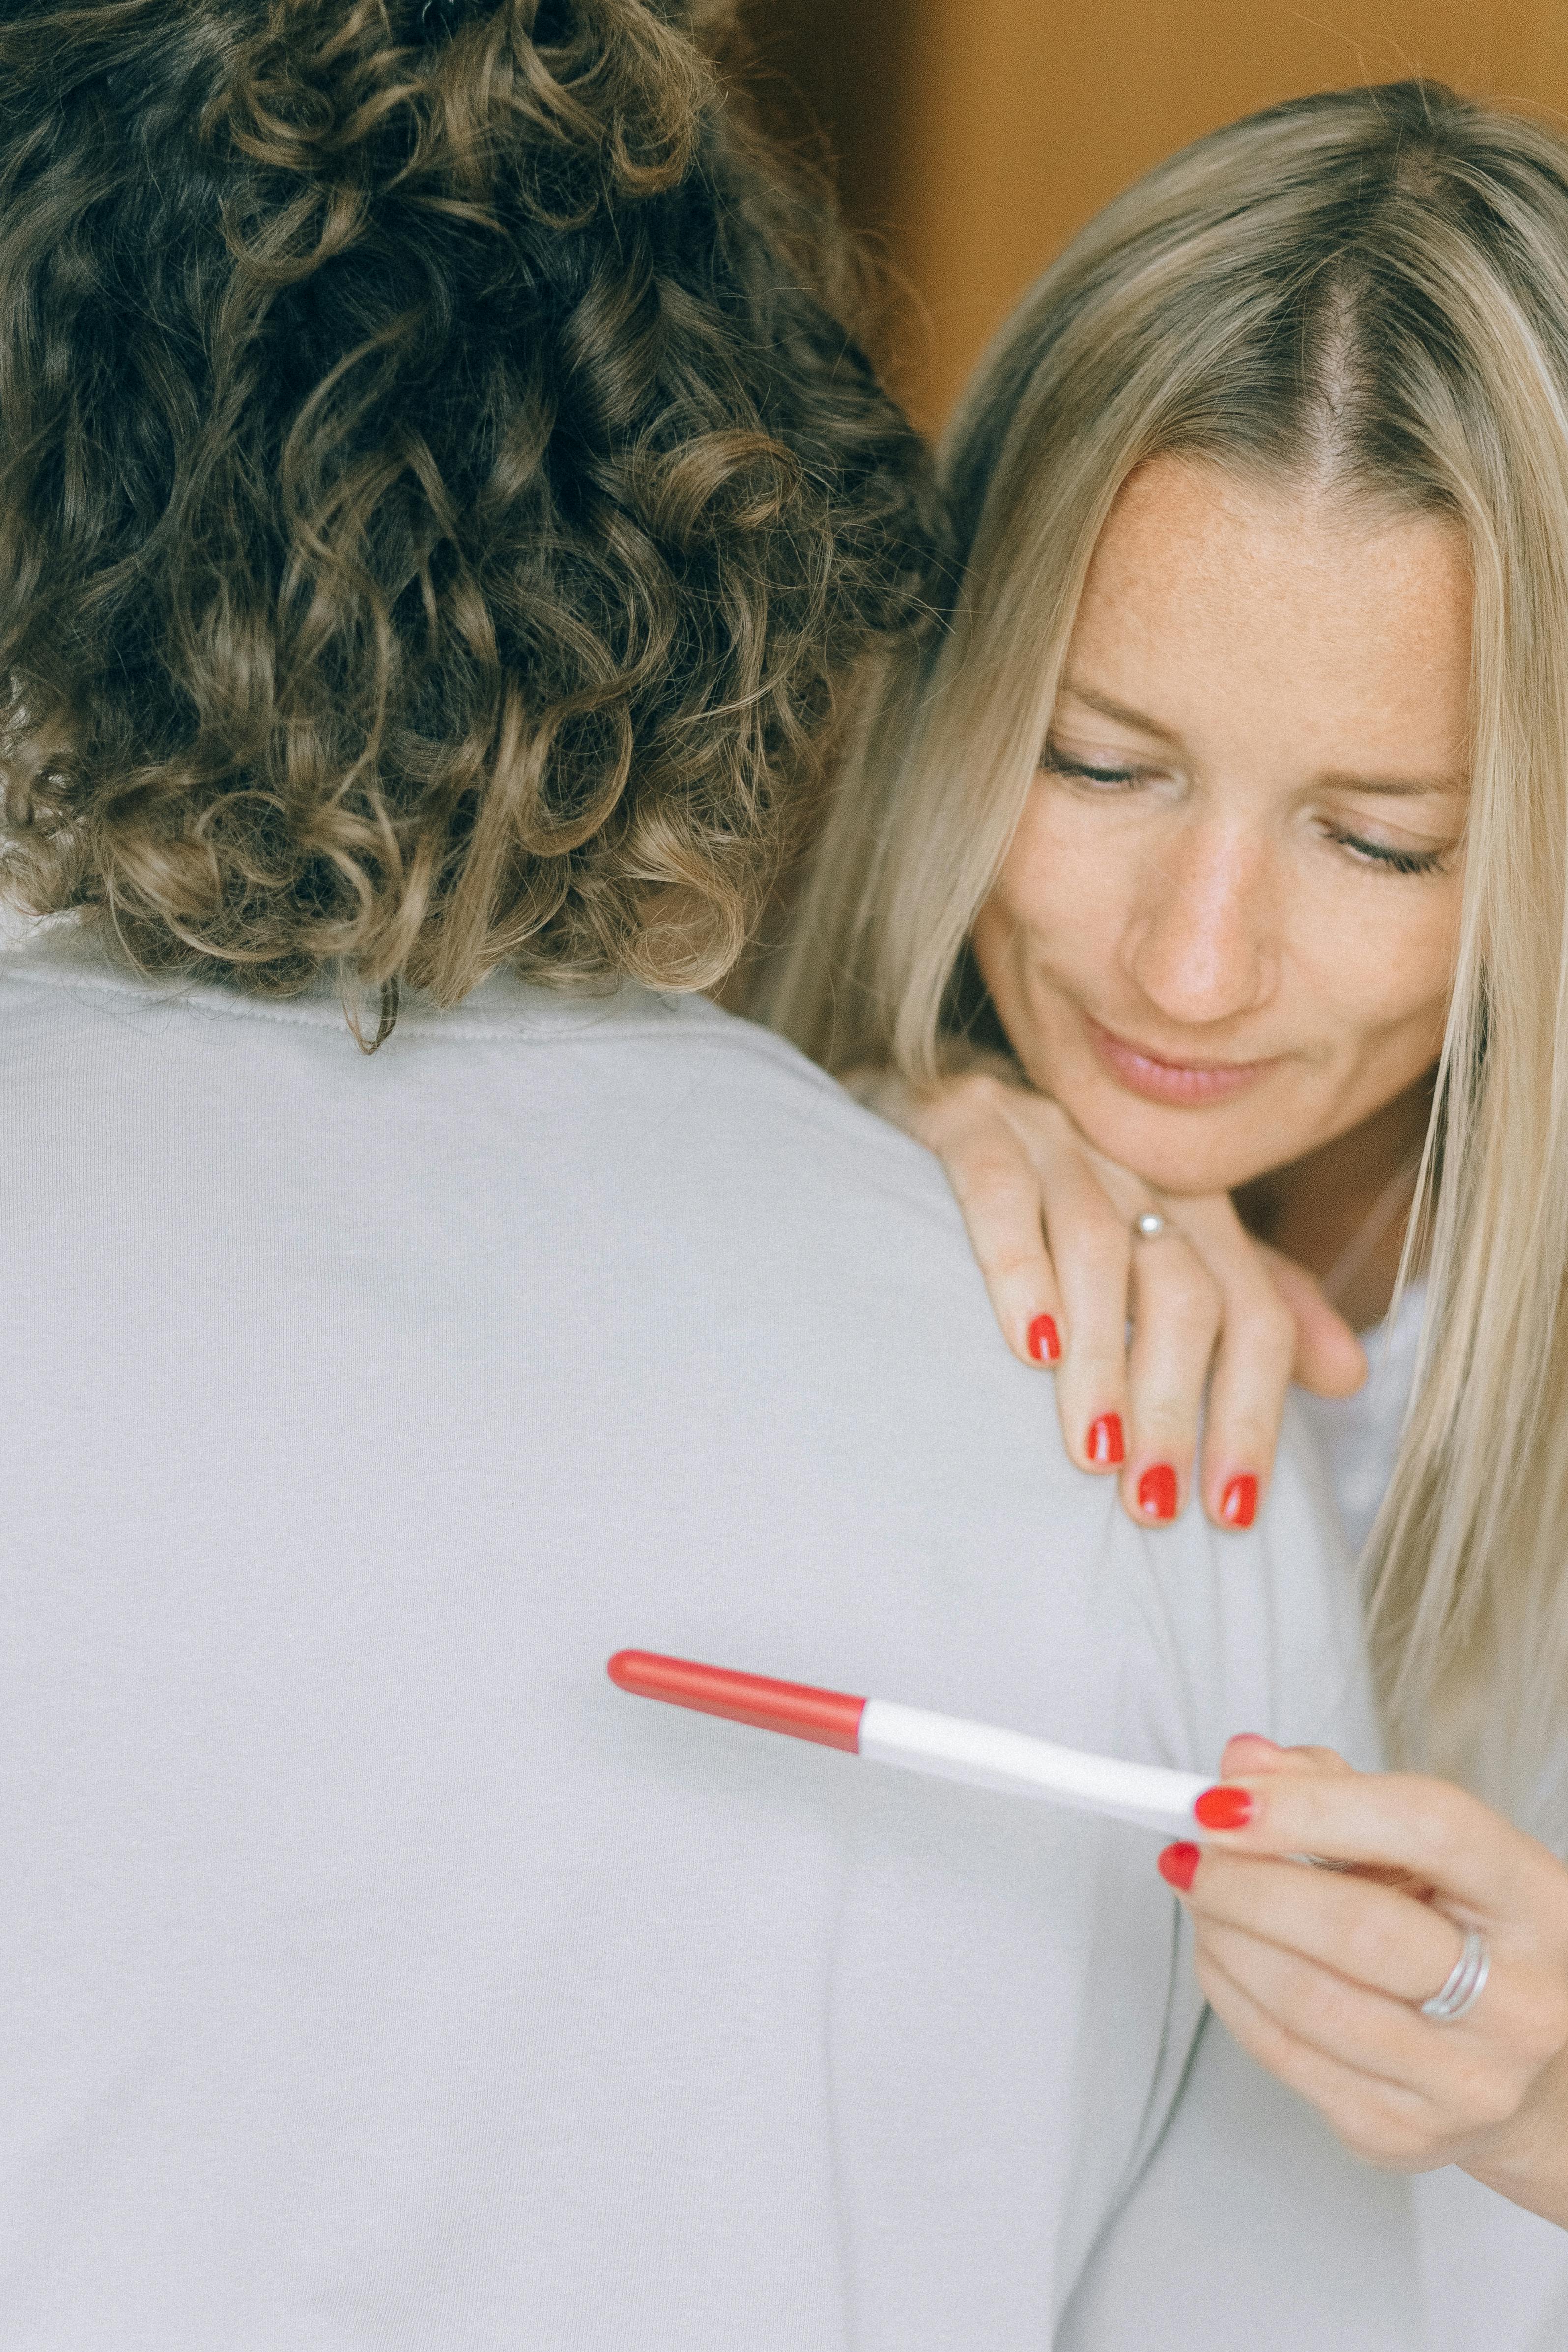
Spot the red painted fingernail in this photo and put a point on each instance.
(1178, 1864)
(1105, 1445)
(1157, 1492)
(1045, 1343)
(1238, 1504)
(1222, 1809)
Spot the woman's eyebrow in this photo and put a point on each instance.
(1109, 708)
(1394, 787)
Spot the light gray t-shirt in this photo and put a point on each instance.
(1358, 1436)
(373, 1974)
(1495, 2277)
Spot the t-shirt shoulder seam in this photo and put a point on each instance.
(669, 1020)
(685, 1017)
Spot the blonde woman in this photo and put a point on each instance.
(1232, 809)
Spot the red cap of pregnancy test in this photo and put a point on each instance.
(830, 1718)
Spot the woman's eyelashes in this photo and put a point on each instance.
(1106, 777)
(1380, 854)
(1056, 763)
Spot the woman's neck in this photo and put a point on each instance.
(1342, 1211)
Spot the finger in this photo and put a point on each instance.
(1329, 1360)
(1473, 2070)
(1091, 1245)
(1364, 1932)
(1176, 1321)
(1371, 2032)
(1252, 1363)
(1439, 1834)
(998, 1193)
(979, 1125)
(1250, 1752)
(1380, 2122)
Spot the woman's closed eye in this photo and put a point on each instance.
(1110, 776)
(1057, 762)
(1385, 856)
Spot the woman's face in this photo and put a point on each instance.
(1225, 933)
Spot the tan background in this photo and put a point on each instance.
(973, 137)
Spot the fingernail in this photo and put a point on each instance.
(1238, 1504)
(1177, 1865)
(1222, 1809)
(1045, 1344)
(1157, 1492)
(1105, 1445)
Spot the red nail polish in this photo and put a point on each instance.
(1045, 1344)
(1238, 1504)
(1178, 1865)
(1222, 1809)
(1106, 1446)
(1157, 1492)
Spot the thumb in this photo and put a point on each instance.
(1329, 1359)
(1248, 1756)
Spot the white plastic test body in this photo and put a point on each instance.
(953, 1749)
(944, 1746)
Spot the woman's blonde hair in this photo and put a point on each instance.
(1369, 288)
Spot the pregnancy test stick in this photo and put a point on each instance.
(943, 1745)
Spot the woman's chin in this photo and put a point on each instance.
(1188, 1151)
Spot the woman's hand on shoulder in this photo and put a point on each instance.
(1213, 1312)
(1322, 1973)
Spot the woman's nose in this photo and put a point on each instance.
(1204, 946)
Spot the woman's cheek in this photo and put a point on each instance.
(1380, 972)
(1062, 898)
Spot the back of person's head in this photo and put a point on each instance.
(438, 495)
(1366, 291)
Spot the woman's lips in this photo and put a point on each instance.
(1158, 1080)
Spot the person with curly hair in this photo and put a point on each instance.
(437, 500)
(442, 506)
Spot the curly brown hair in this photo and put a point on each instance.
(437, 491)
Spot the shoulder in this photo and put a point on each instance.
(555, 1071)
(750, 1065)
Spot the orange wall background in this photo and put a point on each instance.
(971, 137)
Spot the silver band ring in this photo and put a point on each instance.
(1149, 1226)
(1466, 1981)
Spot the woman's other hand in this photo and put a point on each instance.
(1321, 1973)
(1213, 1311)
